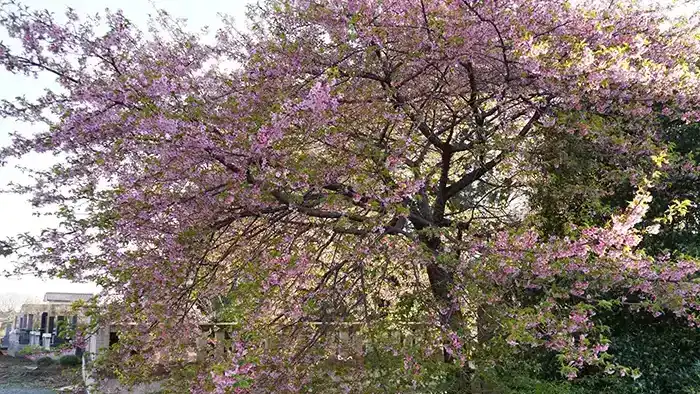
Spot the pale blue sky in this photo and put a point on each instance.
(15, 212)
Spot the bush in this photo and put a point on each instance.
(665, 350)
(69, 361)
(29, 350)
(44, 362)
(526, 373)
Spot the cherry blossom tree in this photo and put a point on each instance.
(363, 162)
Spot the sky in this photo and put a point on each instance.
(15, 212)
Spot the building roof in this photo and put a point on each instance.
(66, 297)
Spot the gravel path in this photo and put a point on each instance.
(22, 376)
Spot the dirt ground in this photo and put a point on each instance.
(22, 376)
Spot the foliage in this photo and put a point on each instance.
(5, 248)
(30, 350)
(676, 200)
(45, 362)
(70, 360)
(663, 349)
(571, 193)
(366, 163)
(525, 376)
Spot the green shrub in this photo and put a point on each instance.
(45, 362)
(526, 373)
(69, 361)
(665, 350)
(29, 350)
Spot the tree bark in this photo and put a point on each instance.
(441, 281)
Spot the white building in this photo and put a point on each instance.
(38, 324)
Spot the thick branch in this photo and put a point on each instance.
(420, 124)
(477, 173)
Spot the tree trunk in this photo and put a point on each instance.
(440, 283)
(485, 324)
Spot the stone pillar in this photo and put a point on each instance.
(46, 341)
(202, 351)
(220, 337)
(343, 342)
(34, 338)
(92, 342)
(14, 337)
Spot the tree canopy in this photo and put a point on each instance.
(364, 162)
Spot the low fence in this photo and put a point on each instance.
(345, 342)
(342, 340)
